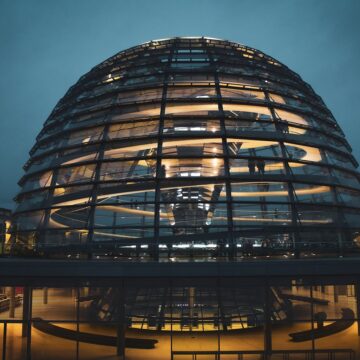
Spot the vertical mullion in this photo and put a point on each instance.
(312, 321)
(77, 321)
(49, 201)
(155, 245)
(28, 323)
(267, 319)
(340, 215)
(91, 218)
(4, 341)
(230, 237)
(291, 191)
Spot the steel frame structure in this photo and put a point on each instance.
(188, 148)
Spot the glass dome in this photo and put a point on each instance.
(189, 148)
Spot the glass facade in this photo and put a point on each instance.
(169, 188)
(249, 318)
(189, 148)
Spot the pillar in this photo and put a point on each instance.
(357, 295)
(267, 322)
(45, 295)
(26, 310)
(26, 325)
(121, 325)
(12, 303)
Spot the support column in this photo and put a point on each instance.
(267, 322)
(12, 303)
(357, 295)
(191, 305)
(26, 310)
(45, 295)
(26, 325)
(121, 325)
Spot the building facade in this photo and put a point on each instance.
(194, 198)
(189, 147)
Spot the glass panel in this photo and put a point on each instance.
(83, 193)
(55, 237)
(134, 129)
(139, 95)
(29, 220)
(119, 192)
(192, 147)
(11, 303)
(245, 94)
(91, 104)
(348, 197)
(190, 126)
(191, 190)
(38, 181)
(260, 191)
(137, 169)
(339, 160)
(45, 346)
(125, 237)
(313, 193)
(302, 152)
(192, 218)
(192, 109)
(32, 200)
(76, 174)
(84, 136)
(15, 347)
(150, 79)
(123, 150)
(43, 162)
(253, 166)
(69, 217)
(86, 119)
(280, 99)
(346, 178)
(135, 112)
(189, 79)
(351, 218)
(77, 155)
(261, 214)
(241, 318)
(339, 302)
(47, 146)
(238, 126)
(248, 111)
(54, 303)
(191, 92)
(316, 215)
(254, 148)
(124, 215)
(308, 169)
(234, 79)
(192, 167)
(90, 351)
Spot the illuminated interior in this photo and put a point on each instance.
(184, 190)
(202, 150)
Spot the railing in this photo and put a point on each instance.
(327, 354)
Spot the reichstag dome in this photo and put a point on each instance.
(189, 149)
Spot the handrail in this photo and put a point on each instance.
(309, 354)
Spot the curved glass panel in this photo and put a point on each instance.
(193, 149)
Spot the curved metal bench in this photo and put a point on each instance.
(347, 319)
(51, 329)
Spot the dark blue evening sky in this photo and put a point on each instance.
(46, 45)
